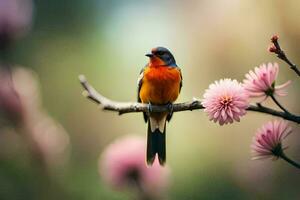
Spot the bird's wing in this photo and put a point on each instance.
(140, 83)
(180, 86)
(169, 117)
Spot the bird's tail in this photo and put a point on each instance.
(156, 141)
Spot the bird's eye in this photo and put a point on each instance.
(160, 53)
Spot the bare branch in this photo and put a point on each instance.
(275, 48)
(129, 107)
(279, 104)
(266, 110)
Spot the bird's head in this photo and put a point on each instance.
(161, 56)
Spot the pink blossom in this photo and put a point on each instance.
(268, 139)
(225, 101)
(261, 81)
(123, 164)
(272, 48)
(15, 17)
(10, 103)
(274, 38)
(48, 139)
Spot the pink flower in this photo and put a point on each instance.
(261, 81)
(15, 18)
(48, 140)
(123, 165)
(272, 48)
(268, 139)
(225, 101)
(274, 38)
(10, 104)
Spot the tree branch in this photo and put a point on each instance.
(279, 104)
(275, 48)
(129, 107)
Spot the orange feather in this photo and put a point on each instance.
(161, 85)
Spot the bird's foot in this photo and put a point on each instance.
(149, 109)
(170, 108)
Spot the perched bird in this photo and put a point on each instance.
(159, 83)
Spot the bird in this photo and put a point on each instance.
(159, 83)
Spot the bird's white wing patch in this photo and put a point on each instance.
(140, 78)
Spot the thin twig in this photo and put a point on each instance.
(129, 107)
(287, 159)
(270, 111)
(275, 48)
(279, 105)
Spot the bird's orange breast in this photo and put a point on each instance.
(161, 85)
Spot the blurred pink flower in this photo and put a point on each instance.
(123, 164)
(15, 18)
(48, 139)
(10, 103)
(225, 101)
(272, 48)
(261, 81)
(268, 139)
(274, 38)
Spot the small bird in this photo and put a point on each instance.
(159, 83)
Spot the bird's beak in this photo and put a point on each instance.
(150, 55)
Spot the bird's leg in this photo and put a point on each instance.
(149, 109)
(170, 108)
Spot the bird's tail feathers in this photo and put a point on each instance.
(156, 141)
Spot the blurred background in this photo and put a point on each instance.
(107, 41)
